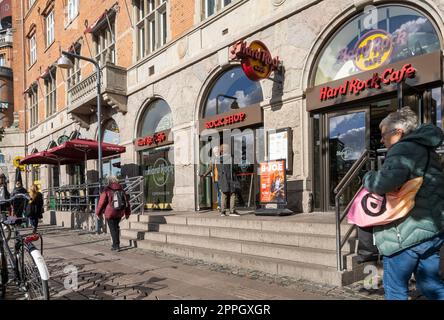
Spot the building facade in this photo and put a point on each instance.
(179, 78)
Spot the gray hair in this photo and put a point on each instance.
(404, 119)
(112, 179)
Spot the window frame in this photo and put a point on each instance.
(50, 28)
(105, 43)
(74, 5)
(51, 93)
(152, 29)
(32, 49)
(33, 106)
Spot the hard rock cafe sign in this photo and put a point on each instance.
(373, 49)
(256, 59)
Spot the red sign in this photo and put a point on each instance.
(149, 140)
(225, 121)
(256, 59)
(356, 86)
(273, 182)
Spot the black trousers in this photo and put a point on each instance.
(367, 251)
(114, 229)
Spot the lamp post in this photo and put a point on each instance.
(234, 105)
(65, 62)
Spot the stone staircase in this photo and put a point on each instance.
(302, 246)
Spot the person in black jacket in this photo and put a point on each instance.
(228, 183)
(35, 207)
(18, 203)
(4, 195)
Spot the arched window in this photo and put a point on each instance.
(51, 144)
(385, 35)
(111, 132)
(157, 117)
(232, 90)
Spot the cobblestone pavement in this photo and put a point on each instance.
(138, 274)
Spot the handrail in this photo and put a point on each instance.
(339, 190)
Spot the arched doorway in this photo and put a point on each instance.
(111, 165)
(358, 79)
(231, 114)
(155, 148)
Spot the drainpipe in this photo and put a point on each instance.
(24, 84)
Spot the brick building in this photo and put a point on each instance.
(168, 72)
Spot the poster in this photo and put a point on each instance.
(273, 187)
(278, 145)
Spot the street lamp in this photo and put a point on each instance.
(65, 62)
(234, 104)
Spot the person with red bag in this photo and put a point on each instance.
(114, 202)
(411, 245)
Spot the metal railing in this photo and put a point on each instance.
(84, 197)
(339, 190)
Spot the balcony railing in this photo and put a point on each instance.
(5, 72)
(5, 39)
(82, 96)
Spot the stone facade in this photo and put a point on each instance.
(197, 51)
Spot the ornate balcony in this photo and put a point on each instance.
(5, 39)
(82, 97)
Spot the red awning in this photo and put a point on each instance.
(44, 157)
(85, 149)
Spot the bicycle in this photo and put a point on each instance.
(29, 269)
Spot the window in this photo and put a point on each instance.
(232, 90)
(156, 118)
(73, 9)
(50, 85)
(30, 3)
(402, 32)
(49, 28)
(32, 50)
(210, 7)
(2, 60)
(33, 106)
(74, 74)
(105, 44)
(152, 25)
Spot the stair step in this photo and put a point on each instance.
(299, 227)
(278, 251)
(299, 270)
(132, 234)
(285, 238)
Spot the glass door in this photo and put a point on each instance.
(347, 139)
(204, 185)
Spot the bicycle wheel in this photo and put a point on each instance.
(7, 231)
(35, 274)
(3, 272)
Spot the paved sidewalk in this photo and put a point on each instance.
(138, 274)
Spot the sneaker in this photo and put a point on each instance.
(223, 214)
(234, 214)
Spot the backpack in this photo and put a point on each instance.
(119, 200)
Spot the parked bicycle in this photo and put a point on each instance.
(28, 267)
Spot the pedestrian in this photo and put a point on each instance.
(411, 245)
(34, 210)
(5, 207)
(212, 168)
(227, 182)
(114, 202)
(19, 203)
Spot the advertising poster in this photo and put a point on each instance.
(273, 182)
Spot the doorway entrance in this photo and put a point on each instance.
(341, 136)
(246, 147)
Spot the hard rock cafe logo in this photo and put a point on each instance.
(373, 50)
(345, 153)
(160, 171)
(256, 59)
